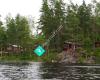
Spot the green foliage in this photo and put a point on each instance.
(76, 21)
(97, 55)
(81, 60)
(81, 24)
(72, 21)
(18, 31)
(84, 15)
(97, 52)
(51, 18)
(49, 57)
(3, 37)
(88, 43)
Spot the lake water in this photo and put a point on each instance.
(48, 71)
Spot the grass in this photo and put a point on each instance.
(47, 57)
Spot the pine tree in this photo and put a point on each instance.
(84, 14)
(18, 31)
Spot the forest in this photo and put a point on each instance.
(81, 25)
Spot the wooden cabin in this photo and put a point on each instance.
(97, 44)
(70, 45)
(14, 49)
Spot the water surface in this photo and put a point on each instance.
(49, 71)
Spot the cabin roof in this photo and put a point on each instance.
(73, 42)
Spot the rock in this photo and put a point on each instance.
(67, 58)
(89, 60)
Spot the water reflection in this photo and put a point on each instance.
(20, 71)
(70, 72)
(52, 71)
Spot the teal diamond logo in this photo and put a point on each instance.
(39, 50)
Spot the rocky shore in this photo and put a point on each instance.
(69, 58)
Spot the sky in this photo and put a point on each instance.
(24, 7)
